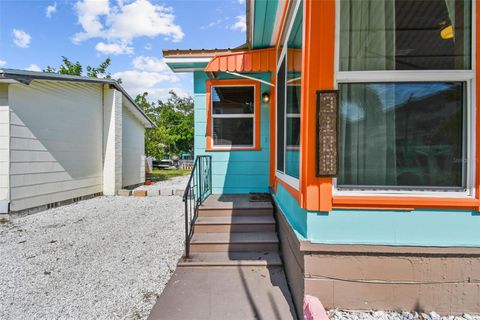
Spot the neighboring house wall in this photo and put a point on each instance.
(133, 149)
(234, 171)
(112, 141)
(4, 148)
(56, 142)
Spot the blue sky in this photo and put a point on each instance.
(36, 33)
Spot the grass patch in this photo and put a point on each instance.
(165, 174)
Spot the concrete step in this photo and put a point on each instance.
(248, 223)
(232, 259)
(225, 212)
(234, 242)
(233, 205)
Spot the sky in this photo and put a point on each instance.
(35, 34)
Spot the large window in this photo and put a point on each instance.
(233, 110)
(405, 34)
(288, 100)
(401, 128)
(402, 135)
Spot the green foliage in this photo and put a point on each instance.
(76, 69)
(174, 120)
(67, 67)
(162, 175)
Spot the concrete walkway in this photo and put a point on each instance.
(246, 292)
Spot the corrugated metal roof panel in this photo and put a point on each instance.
(261, 60)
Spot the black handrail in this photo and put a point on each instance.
(199, 187)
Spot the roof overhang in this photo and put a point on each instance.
(249, 61)
(192, 60)
(264, 19)
(26, 77)
(187, 64)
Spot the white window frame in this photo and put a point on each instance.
(292, 181)
(292, 115)
(233, 116)
(465, 76)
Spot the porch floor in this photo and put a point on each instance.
(247, 292)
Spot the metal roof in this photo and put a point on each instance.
(26, 77)
(261, 60)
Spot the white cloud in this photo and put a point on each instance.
(151, 75)
(51, 9)
(240, 24)
(33, 67)
(164, 93)
(150, 64)
(89, 12)
(213, 23)
(122, 23)
(241, 1)
(2, 63)
(148, 46)
(114, 48)
(21, 38)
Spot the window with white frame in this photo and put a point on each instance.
(288, 100)
(233, 115)
(405, 100)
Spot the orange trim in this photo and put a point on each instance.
(261, 60)
(317, 74)
(375, 208)
(477, 128)
(294, 192)
(257, 111)
(356, 202)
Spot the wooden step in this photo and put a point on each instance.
(234, 242)
(248, 223)
(231, 259)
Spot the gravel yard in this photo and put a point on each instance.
(104, 258)
(383, 315)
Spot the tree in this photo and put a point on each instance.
(76, 69)
(174, 120)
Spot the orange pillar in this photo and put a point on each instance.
(318, 74)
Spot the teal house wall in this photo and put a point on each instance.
(233, 171)
(437, 228)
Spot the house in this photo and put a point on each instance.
(362, 118)
(64, 138)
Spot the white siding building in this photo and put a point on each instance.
(64, 137)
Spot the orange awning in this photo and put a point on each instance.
(261, 60)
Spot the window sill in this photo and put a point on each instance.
(234, 149)
(290, 189)
(403, 203)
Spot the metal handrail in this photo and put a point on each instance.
(198, 188)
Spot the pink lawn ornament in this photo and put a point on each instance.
(313, 309)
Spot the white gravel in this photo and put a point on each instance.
(391, 315)
(104, 258)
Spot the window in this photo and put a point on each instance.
(402, 135)
(405, 35)
(233, 115)
(288, 100)
(401, 128)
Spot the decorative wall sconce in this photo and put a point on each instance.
(266, 97)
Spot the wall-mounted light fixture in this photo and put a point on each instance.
(266, 97)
